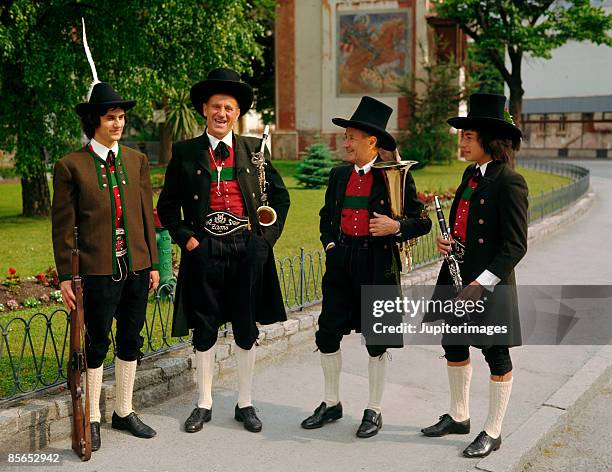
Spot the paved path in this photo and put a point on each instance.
(584, 444)
(416, 392)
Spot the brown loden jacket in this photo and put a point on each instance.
(83, 197)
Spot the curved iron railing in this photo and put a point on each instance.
(33, 351)
(547, 203)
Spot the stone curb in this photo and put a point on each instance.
(524, 444)
(36, 422)
(550, 224)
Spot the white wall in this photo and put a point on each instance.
(576, 69)
(316, 98)
(308, 50)
(334, 106)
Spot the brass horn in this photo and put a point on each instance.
(395, 173)
(265, 214)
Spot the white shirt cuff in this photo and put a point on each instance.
(488, 280)
(330, 245)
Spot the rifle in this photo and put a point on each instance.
(77, 364)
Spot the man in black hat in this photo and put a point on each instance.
(105, 189)
(488, 219)
(360, 243)
(227, 271)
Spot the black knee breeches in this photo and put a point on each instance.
(126, 301)
(498, 357)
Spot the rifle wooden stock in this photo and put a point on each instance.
(77, 365)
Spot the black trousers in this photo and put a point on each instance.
(126, 301)
(498, 357)
(348, 266)
(223, 285)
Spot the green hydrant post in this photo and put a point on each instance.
(164, 249)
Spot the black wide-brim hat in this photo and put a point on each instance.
(225, 81)
(372, 117)
(104, 97)
(487, 113)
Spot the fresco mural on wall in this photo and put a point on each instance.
(373, 51)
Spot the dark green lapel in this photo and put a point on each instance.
(466, 177)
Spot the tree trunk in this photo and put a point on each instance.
(165, 136)
(35, 197)
(516, 101)
(515, 84)
(516, 104)
(165, 143)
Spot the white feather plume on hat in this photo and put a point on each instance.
(90, 60)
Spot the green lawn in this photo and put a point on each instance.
(27, 241)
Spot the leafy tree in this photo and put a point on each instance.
(146, 50)
(182, 40)
(313, 170)
(38, 92)
(484, 74)
(519, 28)
(432, 97)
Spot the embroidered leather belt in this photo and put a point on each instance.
(120, 242)
(222, 223)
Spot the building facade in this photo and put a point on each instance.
(568, 126)
(329, 53)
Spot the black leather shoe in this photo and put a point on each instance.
(196, 419)
(370, 424)
(95, 436)
(134, 425)
(323, 415)
(248, 417)
(447, 425)
(482, 446)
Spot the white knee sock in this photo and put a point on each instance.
(125, 373)
(377, 369)
(459, 378)
(205, 368)
(332, 365)
(499, 394)
(246, 365)
(94, 388)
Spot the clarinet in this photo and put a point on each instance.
(451, 256)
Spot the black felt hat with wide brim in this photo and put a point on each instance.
(224, 81)
(487, 112)
(104, 97)
(372, 117)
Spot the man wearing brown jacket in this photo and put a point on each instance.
(104, 189)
